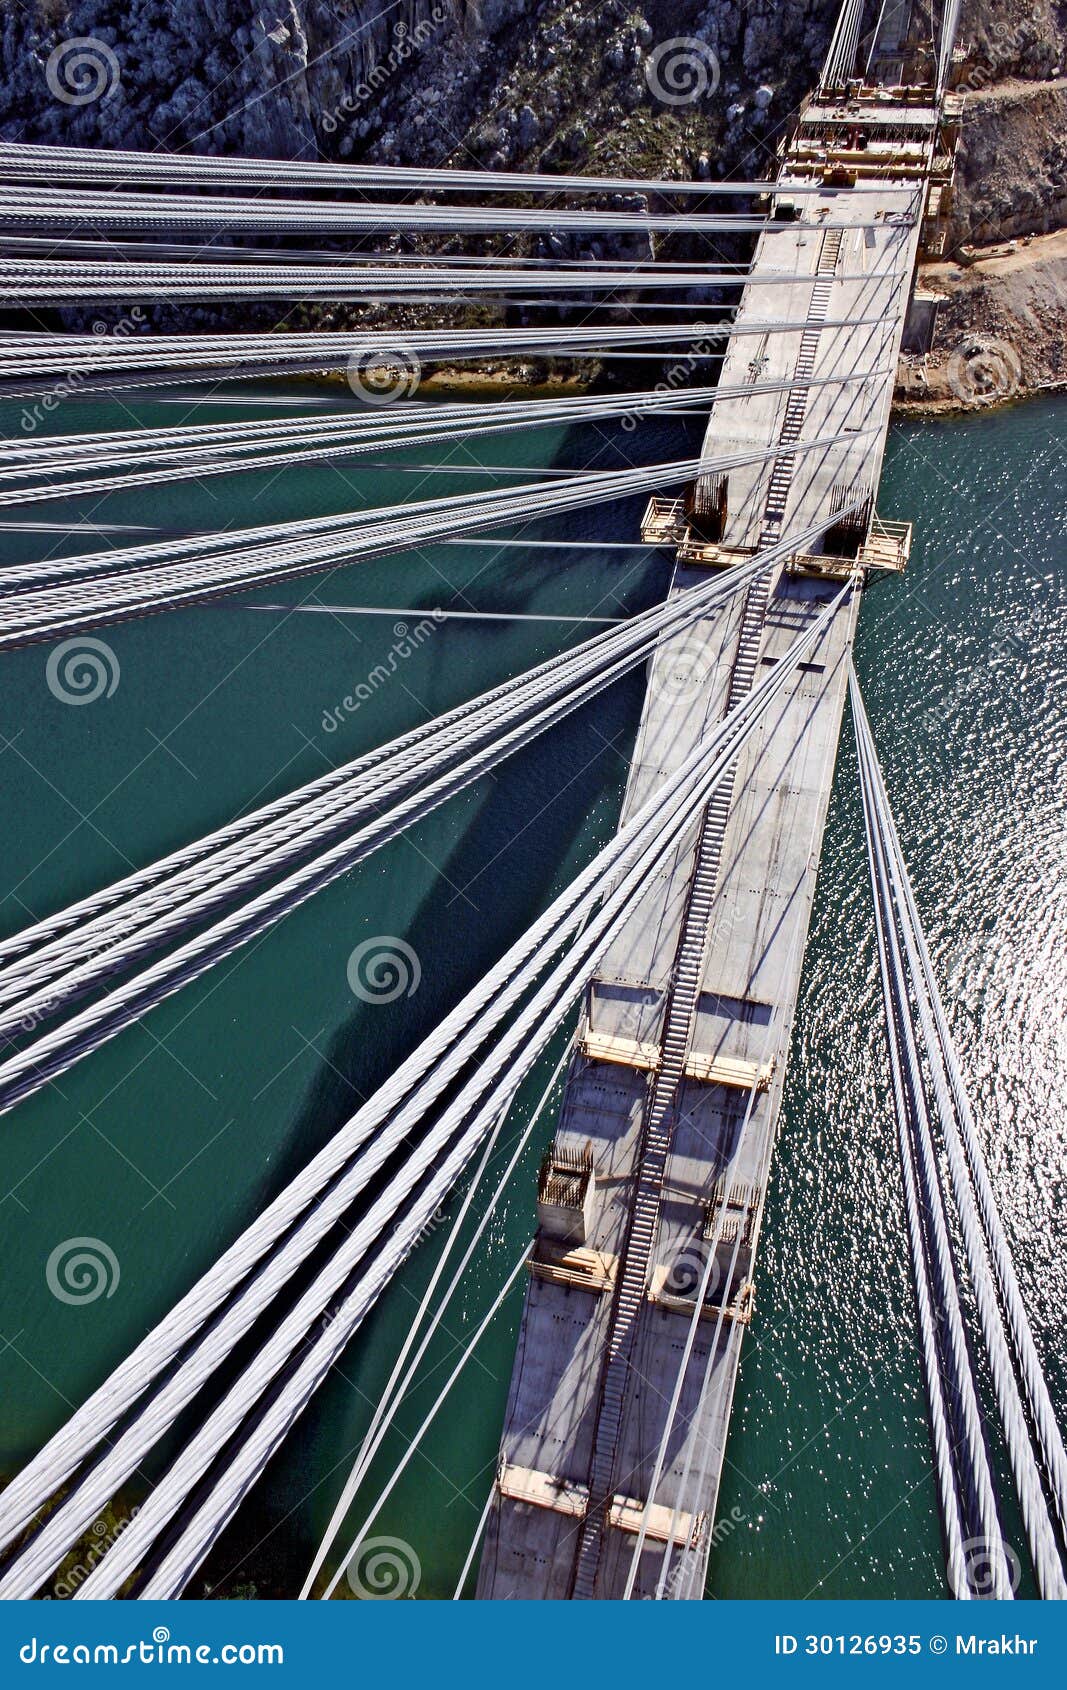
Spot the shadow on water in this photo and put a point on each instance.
(495, 882)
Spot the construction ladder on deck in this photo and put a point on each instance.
(797, 405)
(684, 991)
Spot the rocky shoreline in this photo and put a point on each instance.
(1000, 329)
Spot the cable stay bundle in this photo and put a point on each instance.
(841, 56)
(21, 161)
(53, 598)
(949, 25)
(29, 207)
(927, 1087)
(29, 281)
(254, 1416)
(348, 258)
(201, 450)
(39, 356)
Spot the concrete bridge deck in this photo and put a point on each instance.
(672, 1099)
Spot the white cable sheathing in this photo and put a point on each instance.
(33, 281)
(1039, 1528)
(117, 208)
(949, 25)
(91, 592)
(26, 458)
(47, 939)
(472, 1550)
(841, 57)
(874, 39)
(124, 444)
(472, 509)
(203, 443)
(67, 355)
(948, 1490)
(23, 458)
(1027, 1359)
(246, 543)
(52, 1054)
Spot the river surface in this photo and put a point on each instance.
(166, 1142)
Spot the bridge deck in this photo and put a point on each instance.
(554, 1529)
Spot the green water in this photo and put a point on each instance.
(168, 1140)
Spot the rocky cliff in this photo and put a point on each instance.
(1011, 176)
(507, 81)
